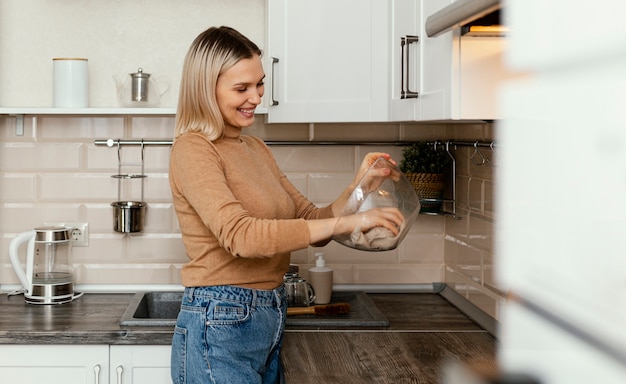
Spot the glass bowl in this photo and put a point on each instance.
(375, 191)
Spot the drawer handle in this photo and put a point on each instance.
(96, 374)
(274, 61)
(406, 93)
(119, 371)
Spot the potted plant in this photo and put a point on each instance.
(425, 166)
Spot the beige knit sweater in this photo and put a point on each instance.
(239, 215)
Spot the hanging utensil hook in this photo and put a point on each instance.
(482, 159)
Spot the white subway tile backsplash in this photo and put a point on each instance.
(324, 188)
(426, 224)
(147, 127)
(489, 198)
(101, 159)
(481, 231)
(475, 190)
(55, 173)
(314, 158)
(74, 187)
(18, 217)
(156, 188)
(126, 273)
(418, 248)
(151, 248)
(398, 274)
(338, 253)
(31, 157)
(74, 128)
(17, 187)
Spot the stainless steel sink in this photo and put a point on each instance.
(160, 309)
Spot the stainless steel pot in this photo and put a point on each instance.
(128, 216)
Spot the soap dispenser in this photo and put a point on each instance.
(321, 278)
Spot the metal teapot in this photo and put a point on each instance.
(140, 89)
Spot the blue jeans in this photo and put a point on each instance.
(227, 334)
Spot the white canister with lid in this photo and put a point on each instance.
(71, 82)
(321, 278)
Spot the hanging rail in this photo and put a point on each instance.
(477, 157)
(483, 144)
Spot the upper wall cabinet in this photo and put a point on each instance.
(460, 73)
(406, 60)
(338, 61)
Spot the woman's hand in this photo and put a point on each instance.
(375, 178)
(377, 175)
(367, 162)
(388, 217)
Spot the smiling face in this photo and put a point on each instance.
(239, 91)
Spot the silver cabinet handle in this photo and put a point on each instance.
(405, 66)
(274, 61)
(119, 371)
(96, 374)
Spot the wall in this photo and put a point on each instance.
(469, 241)
(55, 173)
(116, 36)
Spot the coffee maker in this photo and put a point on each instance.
(47, 278)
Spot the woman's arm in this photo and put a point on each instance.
(324, 229)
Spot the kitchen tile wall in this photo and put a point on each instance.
(55, 173)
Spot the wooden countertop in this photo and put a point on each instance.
(425, 333)
(94, 318)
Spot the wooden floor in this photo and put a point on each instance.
(426, 334)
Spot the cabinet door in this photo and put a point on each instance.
(437, 56)
(54, 364)
(405, 60)
(140, 364)
(332, 60)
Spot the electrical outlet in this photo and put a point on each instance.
(80, 232)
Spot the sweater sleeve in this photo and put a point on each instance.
(210, 211)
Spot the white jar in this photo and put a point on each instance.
(71, 83)
(321, 278)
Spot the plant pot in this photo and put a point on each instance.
(429, 188)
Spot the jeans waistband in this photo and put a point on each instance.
(229, 292)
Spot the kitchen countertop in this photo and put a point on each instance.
(426, 333)
(94, 319)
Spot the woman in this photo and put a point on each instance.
(240, 218)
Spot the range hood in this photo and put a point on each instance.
(474, 17)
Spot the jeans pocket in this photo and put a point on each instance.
(179, 355)
(227, 313)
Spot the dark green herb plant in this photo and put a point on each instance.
(422, 157)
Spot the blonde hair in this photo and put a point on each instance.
(212, 53)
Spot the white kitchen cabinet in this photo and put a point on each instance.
(85, 364)
(140, 364)
(54, 364)
(461, 74)
(406, 57)
(331, 61)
